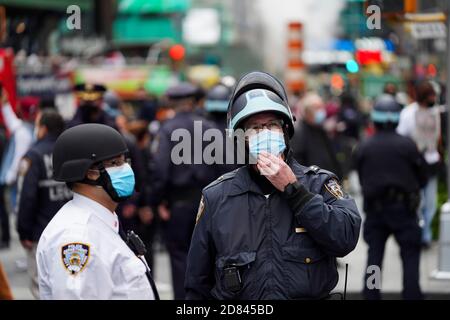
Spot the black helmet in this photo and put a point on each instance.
(217, 98)
(258, 92)
(386, 109)
(79, 147)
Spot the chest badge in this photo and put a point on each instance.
(75, 257)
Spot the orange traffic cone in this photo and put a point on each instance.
(5, 290)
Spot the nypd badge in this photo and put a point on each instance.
(334, 188)
(75, 257)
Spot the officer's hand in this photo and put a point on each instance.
(276, 170)
(128, 211)
(27, 244)
(145, 215)
(164, 213)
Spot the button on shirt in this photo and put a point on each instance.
(80, 255)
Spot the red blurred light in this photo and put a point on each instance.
(431, 70)
(368, 56)
(176, 52)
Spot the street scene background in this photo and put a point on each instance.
(347, 52)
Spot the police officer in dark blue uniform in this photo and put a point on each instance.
(179, 176)
(271, 229)
(90, 106)
(40, 197)
(391, 172)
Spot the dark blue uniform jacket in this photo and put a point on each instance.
(284, 248)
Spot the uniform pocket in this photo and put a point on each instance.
(136, 282)
(242, 262)
(309, 272)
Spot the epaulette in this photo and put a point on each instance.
(222, 178)
(316, 170)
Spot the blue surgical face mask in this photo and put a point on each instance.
(267, 140)
(122, 180)
(320, 116)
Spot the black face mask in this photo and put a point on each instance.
(88, 112)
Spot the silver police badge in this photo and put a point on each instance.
(75, 257)
(334, 188)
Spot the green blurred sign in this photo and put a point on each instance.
(152, 6)
(135, 29)
(372, 86)
(49, 4)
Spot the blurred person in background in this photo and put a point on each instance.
(310, 143)
(391, 172)
(390, 88)
(39, 196)
(421, 122)
(350, 116)
(145, 221)
(20, 128)
(176, 188)
(90, 106)
(147, 105)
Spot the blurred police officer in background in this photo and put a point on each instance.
(391, 172)
(90, 105)
(269, 230)
(81, 253)
(40, 197)
(176, 188)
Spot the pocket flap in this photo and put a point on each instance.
(133, 269)
(238, 259)
(302, 255)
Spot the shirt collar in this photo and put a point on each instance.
(108, 217)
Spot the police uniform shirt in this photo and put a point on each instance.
(81, 255)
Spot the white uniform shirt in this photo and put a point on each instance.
(81, 255)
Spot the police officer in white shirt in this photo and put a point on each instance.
(81, 254)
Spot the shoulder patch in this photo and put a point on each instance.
(75, 256)
(201, 210)
(333, 187)
(24, 166)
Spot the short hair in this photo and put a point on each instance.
(53, 121)
(423, 91)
